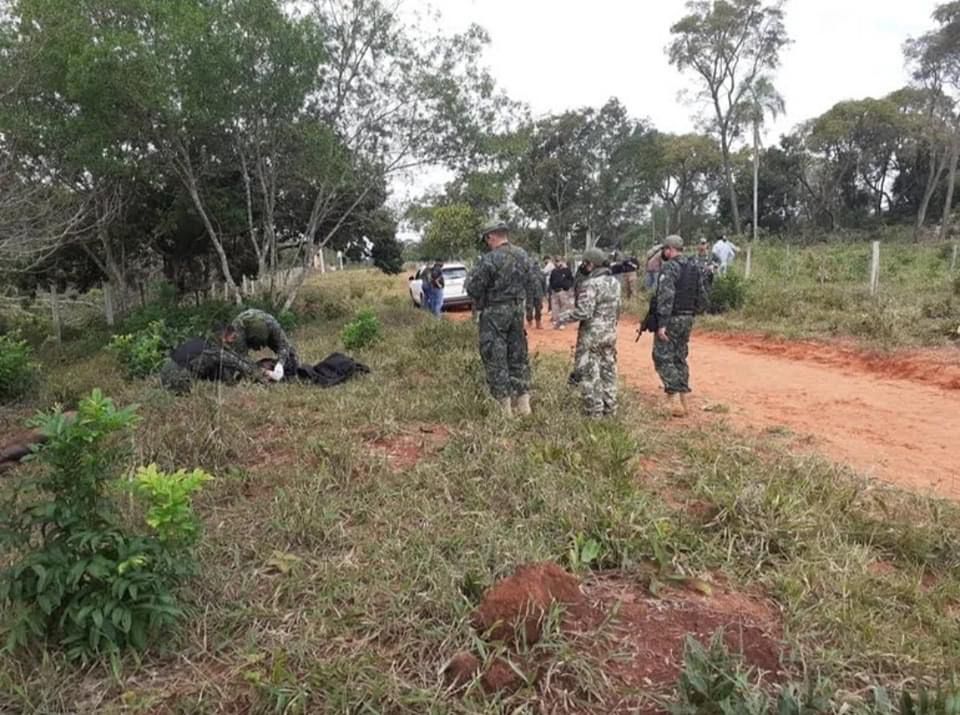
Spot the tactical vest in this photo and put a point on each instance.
(688, 286)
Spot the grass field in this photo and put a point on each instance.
(349, 532)
(822, 291)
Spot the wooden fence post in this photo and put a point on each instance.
(55, 310)
(875, 269)
(748, 269)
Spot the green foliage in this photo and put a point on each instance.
(364, 330)
(79, 577)
(453, 232)
(713, 682)
(168, 495)
(729, 292)
(18, 372)
(143, 353)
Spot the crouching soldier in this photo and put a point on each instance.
(256, 329)
(597, 309)
(203, 359)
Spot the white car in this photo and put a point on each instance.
(454, 292)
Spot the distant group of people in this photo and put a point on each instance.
(507, 287)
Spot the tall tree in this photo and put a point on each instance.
(763, 101)
(728, 45)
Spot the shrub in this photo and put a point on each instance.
(362, 331)
(729, 292)
(80, 578)
(18, 372)
(143, 353)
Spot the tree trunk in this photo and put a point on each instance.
(951, 182)
(731, 187)
(936, 171)
(55, 311)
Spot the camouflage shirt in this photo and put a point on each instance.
(597, 308)
(258, 329)
(667, 288)
(504, 275)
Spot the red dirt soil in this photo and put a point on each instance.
(894, 418)
(405, 450)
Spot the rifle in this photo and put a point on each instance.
(651, 322)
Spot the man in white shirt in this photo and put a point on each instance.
(725, 251)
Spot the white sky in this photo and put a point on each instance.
(561, 54)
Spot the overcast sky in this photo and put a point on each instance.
(558, 54)
(561, 54)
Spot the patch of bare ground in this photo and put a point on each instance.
(635, 639)
(406, 449)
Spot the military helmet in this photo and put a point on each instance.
(595, 256)
(673, 242)
(494, 227)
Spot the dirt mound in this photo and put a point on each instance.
(514, 608)
(405, 450)
(647, 633)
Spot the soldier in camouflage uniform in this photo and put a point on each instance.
(257, 329)
(597, 309)
(680, 296)
(706, 262)
(499, 285)
(203, 359)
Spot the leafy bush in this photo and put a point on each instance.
(143, 353)
(729, 292)
(80, 578)
(18, 372)
(362, 331)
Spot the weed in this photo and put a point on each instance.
(364, 330)
(18, 371)
(80, 578)
(729, 292)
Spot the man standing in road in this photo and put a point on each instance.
(725, 251)
(561, 291)
(499, 285)
(597, 309)
(680, 296)
(652, 268)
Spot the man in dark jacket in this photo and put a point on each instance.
(561, 292)
(205, 359)
(680, 296)
(437, 284)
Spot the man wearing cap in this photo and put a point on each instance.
(256, 329)
(597, 309)
(680, 296)
(499, 285)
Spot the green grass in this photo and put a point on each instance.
(822, 291)
(331, 582)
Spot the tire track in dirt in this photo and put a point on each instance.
(844, 405)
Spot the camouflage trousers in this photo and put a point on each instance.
(503, 349)
(596, 369)
(670, 357)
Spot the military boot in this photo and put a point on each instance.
(523, 405)
(676, 406)
(506, 406)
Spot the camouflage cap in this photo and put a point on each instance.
(673, 242)
(595, 256)
(494, 227)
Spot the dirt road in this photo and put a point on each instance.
(895, 419)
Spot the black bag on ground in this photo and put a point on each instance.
(333, 370)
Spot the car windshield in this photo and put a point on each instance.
(455, 273)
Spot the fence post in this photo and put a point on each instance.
(748, 269)
(108, 303)
(953, 261)
(340, 260)
(55, 309)
(875, 269)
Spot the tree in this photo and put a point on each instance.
(453, 232)
(728, 45)
(763, 100)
